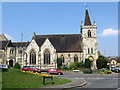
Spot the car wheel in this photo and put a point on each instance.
(58, 73)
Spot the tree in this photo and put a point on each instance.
(87, 63)
(101, 62)
(99, 54)
(59, 62)
(79, 64)
(17, 66)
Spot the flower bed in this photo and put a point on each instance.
(41, 74)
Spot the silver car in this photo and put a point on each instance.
(4, 66)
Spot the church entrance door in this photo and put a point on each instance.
(11, 63)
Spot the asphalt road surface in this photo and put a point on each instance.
(95, 80)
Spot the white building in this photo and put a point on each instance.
(43, 50)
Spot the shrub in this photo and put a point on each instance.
(64, 66)
(101, 72)
(107, 67)
(105, 72)
(109, 72)
(101, 62)
(72, 65)
(81, 68)
(87, 71)
(17, 66)
(79, 64)
(87, 63)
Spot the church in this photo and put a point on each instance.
(43, 50)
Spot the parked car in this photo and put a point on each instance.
(117, 70)
(112, 69)
(4, 66)
(54, 71)
(31, 68)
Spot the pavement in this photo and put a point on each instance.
(75, 83)
(95, 80)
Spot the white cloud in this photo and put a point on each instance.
(9, 37)
(109, 32)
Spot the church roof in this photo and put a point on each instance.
(18, 44)
(4, 44)
(87, 18)
(62, 43)
(3, 38)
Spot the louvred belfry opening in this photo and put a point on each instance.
(87, 19)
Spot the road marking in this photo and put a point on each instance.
(97, 78)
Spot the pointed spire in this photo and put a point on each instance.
(87, 18)
(94, 23)
(82, 23)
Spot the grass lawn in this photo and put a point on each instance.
(13, 78)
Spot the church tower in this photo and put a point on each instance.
(89, 40)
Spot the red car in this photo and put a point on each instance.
(31, 68)
(54, 71)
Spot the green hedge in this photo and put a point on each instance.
(17, 66)
(87, 71)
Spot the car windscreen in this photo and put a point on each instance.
(53, 70)
(32, 67)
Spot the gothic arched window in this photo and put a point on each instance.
(91, 50)
(62, 57)
(89, 33)
(75, 58)
(47, 57)
(88, 50)
(32, 57)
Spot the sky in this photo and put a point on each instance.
(61, 18)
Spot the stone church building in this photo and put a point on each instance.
(43, 50)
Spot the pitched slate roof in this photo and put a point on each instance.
(4, 44)
(87, 19)
(3, 38)
(18, 44)
(62, 43)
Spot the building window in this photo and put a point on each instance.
(75, 58)
(11, 51)
(20, 51)
(32, 57)
(62, 57)
(89, 33)
(47, 57)
(88, 50)
(24, 47)
(68, 55)
(91, 50)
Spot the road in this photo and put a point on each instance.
(95, 80)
